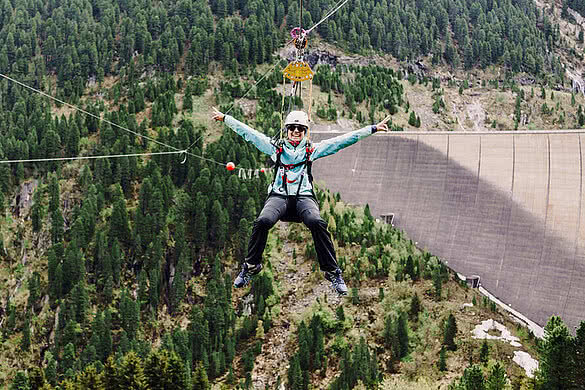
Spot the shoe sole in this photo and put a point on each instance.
(249, 280)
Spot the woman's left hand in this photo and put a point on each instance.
(217, 115)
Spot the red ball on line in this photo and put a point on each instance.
(230, 166)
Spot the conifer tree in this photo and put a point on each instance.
(20, 382)
(116, 260)
(25, 342)
(81, 301)
(497, 378)
(415, 307)
(105, 343)
(200, 380)
(484, 352)
(443, 360)
(51, 369)
(579, 357)
(555, 355)
(69, 358)
(294, 374)
(54, 193)
(36, 211)
(450, 332)
(130, 315)
(119, 226)
(142, 286)
(131, 373)
(34, 288)
(37, 378)
(57, 229)
(402, 334)
(57, 285)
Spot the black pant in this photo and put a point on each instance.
(301, 208)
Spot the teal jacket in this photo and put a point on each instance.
(295, 154)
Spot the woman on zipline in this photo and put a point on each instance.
(291, 196)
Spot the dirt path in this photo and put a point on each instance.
(296, 297)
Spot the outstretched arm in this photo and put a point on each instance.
(261, 141)
(335, 144)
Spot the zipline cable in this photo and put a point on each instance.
(86, 112)
(177, 150)
(249, 89)
(88, 157)
(327, 16)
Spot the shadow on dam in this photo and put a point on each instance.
(506, 208)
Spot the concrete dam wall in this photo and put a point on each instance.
(509, 207)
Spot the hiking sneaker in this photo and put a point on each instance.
(246, 274)
(336, 281)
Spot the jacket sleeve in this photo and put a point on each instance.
(335, 144)
(261, 141)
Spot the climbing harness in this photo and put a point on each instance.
(282, 169)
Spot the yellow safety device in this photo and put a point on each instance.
(298, 71)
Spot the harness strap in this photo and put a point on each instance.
(285, 167)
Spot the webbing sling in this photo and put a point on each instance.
(286, 167)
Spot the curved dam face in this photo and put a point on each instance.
(507, 207)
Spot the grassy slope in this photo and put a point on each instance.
(14, 269)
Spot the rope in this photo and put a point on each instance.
(282, 107)
(87, 157)
(177, 150)
(249, 89)
(301, 16)
(87, 113)
(310, 101)
(327, 16)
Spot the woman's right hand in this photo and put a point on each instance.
(217, 115)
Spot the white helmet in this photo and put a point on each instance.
(297, 118)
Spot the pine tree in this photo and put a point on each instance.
(131, 373)
(473, 378)
(130, 315)
(116, 260)
(54, 193)
(36, 212)
(34, 286)
(142, 286)
(20, 382)
(165, 370)
(81, 301)
(579, 357)
(415, 307)
(69, 358)
(57, 228)
(178, 287)
(497, 379)
(555, 355)
(200, 380)
(443, 360)
(57, 286)
(484, 352)
(294, 374)
(402, 334)
(119, 226)
(51, 369)
(36, 378)
(25, 342)
(450, 332)
(105, 346)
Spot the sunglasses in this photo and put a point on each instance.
(300, 129)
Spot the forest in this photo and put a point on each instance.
(121, 246)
